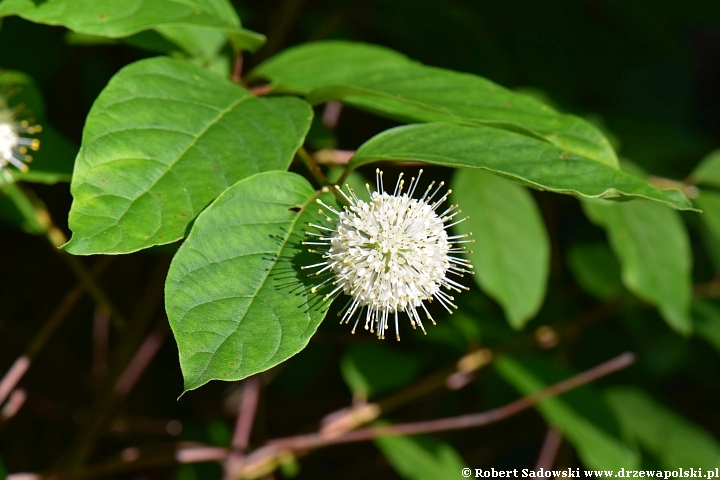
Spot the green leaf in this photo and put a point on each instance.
(163, 140)
(370, 369)
(421, 458)
(708, 170)
(706, 318)
(200, 42)
(653, 248)
(582, 415)
(121, 18)
(596, 270)
(511, 253)
(235, 297)
(521, 158)
(671, 439)
(388, 83)
(709, 202)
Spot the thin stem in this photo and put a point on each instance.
(549, 449)
(246, 413)
(303, 442)
(40, 222)
(243, 427)
(238, 68)
(267, 457)
(312, 166)
(22, 364)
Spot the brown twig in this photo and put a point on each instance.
(237, 69)
(266, 458)
(123, 353)
(246, 413)
(312, 166)
(141, 360)
(549, 450)
(22, 364)
(243, 427)
(331, 114)
(100, 344)
(304, 442)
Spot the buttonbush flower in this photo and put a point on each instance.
(14, 145)
(390, 254)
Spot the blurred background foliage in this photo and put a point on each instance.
(646, 72)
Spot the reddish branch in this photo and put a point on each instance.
(304, 442)
(549, 450)
(22, 364)
(266, 458)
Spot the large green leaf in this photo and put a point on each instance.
(163, 140)
(421, 458)
(235, 297)
(525, 159)
(653, 247)
(671, 439)
(120, 18)
(383, 81)
(511, 253)
(582, 415)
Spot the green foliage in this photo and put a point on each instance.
(525, 159)
(372, 369)
(162, 141)
(120, 18)
(511, 253)
(235, 298)
(709, 203)
(706, 320)
(184, 148)
(653, 248)
(582, 415)
(596, 269)
(669, 438)
(383, 81)
(421, 458)
(708, 170)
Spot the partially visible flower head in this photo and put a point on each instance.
(390, 255)
(14, 144)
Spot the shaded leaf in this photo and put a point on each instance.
(596, 269)
(521, 158)
(235, 297)
(709, 202)
(706, 320)
(421, 458)
(385, 82)
(370, 369)
(671, 439)
(652, 245)
(708, 170)
(582, 415)
(163, 140)
(511, 253)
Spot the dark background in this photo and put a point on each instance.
(647, 72)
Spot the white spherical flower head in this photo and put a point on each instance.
(390, 255)
(14, 145)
